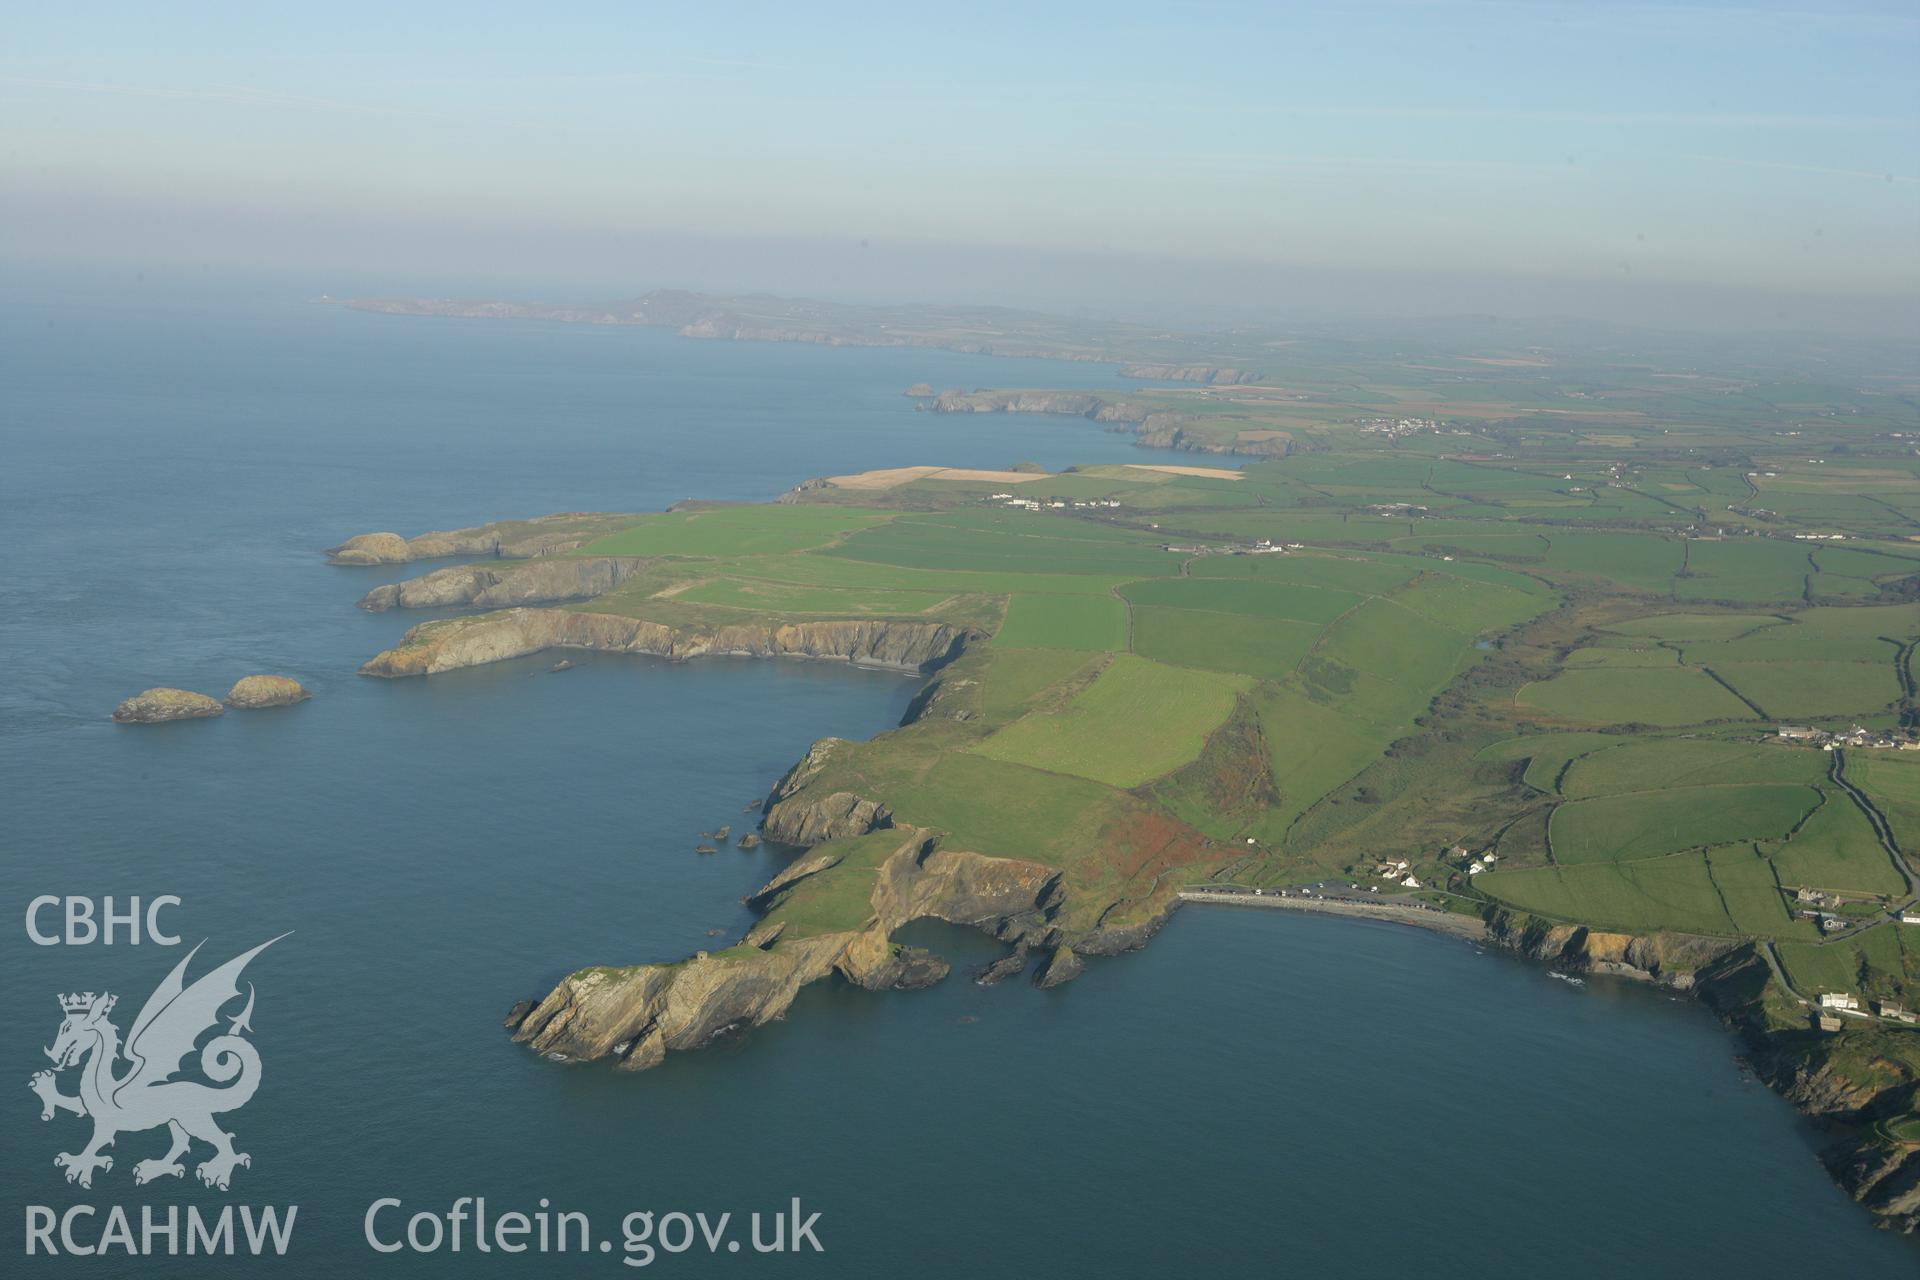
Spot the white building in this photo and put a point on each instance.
(1838, 1000)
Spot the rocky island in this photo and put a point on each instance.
(254, 692)
(157, 706)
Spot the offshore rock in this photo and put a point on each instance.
(252, 692)
(1062, 967)
(157, 706)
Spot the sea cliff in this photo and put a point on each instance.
(449, 644)
(545, 581)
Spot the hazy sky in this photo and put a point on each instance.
(1402, 155)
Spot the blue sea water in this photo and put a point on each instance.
(1254, 1094)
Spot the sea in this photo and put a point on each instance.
(1255, 1094)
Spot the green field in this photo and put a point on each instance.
(1548, 754)
(1892, 782)
(778, 597)
(1836, 849)
(1647, 824)
(732, 531)
(1015, 677)
(1093, 623)
(1814, 690)
(1137, 721)
(1636, 695)
(1662, 893)
(1650, 765)
(1030, 544)
(1751, 570)
(1264, 647)
(1251, 598)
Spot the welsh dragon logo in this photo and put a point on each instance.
(145, 1095)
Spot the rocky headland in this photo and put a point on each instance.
(506, 539)
(1153, 427)
(639, 1013)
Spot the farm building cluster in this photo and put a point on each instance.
(1835, 1004)
(1393, 428)
(1829, 739)
(1259, 547)
(1019, 503)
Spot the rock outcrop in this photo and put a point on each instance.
(1010, 965)
(1062, 967)
(814, 820)
(157, 706)
(1009, 897)
(252, 692)
(1883, 1178)
(546, 581)
(452, 643)
(371, 548)
(507, 539)
(1670, 959)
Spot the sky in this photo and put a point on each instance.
(1707, 163)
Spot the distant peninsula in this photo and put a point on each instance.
(996, 331)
